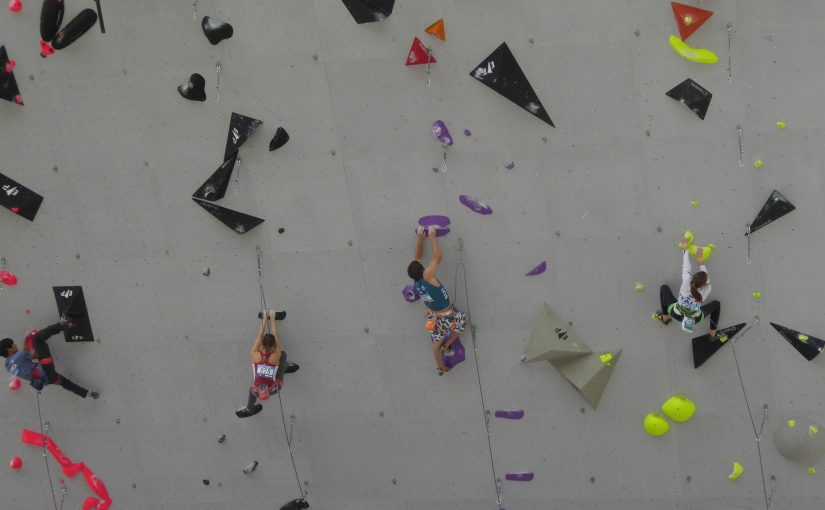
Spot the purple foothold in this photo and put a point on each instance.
(457, 357)
(475, 205)
(510, 415)
(538, 269)
(467, 132)
(441, 221)
(519, 477)
(441, 133)
(410, 295)
(511, 165)
(435, 170)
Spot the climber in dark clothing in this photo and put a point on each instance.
(35, 364)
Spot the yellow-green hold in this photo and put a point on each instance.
(792, 423)
(656, 425)
(757, 163)
(811, 470)
(606, 358)
(802, 338)
(781, 125)
(756, 294)
(695, 203)
(737, 471)
(639, 287)
(679, 408)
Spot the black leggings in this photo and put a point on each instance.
(44, 357)
(712, 309)
(279, 376)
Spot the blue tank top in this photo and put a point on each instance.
(435, 297)
(21, 365)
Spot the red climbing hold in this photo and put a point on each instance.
(15, 5)
(45, 49)
(11, 64)
(419, 54)
(14, 385)
(8, 278)
(689, 18)
(16, 463)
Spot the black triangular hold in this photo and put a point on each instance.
(215, 187)
(296, 504)
(775, 207)
(279, 140)
(501, 72)
(368, 11)
(237, 221)
(704, 346)
(808, 346)
(216, 31)
(8, 85)
(241, 127)
(692, 95)
(71, 305)
(18, 198)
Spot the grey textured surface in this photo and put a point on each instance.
(375, 428)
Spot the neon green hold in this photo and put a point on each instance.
(811, 470)
(781, 125)
(757, 163)
(606, 358)
(639, 287)
(792, 423)
(802, 338)
(813, 429)
(698, 55)
(656, 425)
(756, 294)
(737, 471)
(679, 408)
(695, 203)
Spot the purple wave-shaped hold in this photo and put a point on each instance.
(441, 221)
(511, 165)
(410, 294)
(441, 132)
(475, 205)
(538, 269)
(458, 355)
(519, 477)
(467, 132)
(510, 415)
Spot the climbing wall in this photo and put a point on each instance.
(116, 153)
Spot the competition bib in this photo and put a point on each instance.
(266, 371)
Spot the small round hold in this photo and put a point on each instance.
(54, 168)
(332, 152)
(381, 414)
(592, 479)
(118, 420)
(523, 358)
(366, 330)
(315, 56)
(281, 230)
(435, 170)
(558, 234)
(349, 243)
(531, 40)
(757, 163)
(781, 124)
(206, 271)
(134, 485)
(222, 438)
(636, 32)
(659, 228)
(16, 463)
(205, 481)
(394, 481)
(544, 139)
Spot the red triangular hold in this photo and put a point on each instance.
(419, 54)
(437, 30)
(689, 18)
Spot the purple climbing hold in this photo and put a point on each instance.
(441, 133)
(519, 477)
(510, 415)
(475, 205)
(441, 221)
(435, 170)
(511, 165)
(410, 294)
(456, 357)
(467, 132)
(538, 269)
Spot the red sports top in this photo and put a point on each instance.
(263, 373)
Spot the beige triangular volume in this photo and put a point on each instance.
(590, 374)
(552, 339)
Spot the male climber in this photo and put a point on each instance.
(444, 321)
(35, 364)
(268, 365)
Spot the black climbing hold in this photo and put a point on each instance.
(237, 221)
(369, 11)
(205, 482)
(216, 31)
(500, 71)
(279, 140)
(71, 305)
(241, 128)
(18, 198)
(808, 346)
(296, 504)
(194, 89)
(692, 95)
(281, 230)
(775, 207)
(215, 187)
(704, 346)
(86, 19)
(8, 84)
(51, 16)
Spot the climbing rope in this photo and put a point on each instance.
(757, 434)
(46, 457)
(496, 479)
(280, 399)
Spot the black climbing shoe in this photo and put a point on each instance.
(279, 316)
(292, 368)
(245, 412)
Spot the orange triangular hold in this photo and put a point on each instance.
(419, 54)
(437, 30)
(689, 18)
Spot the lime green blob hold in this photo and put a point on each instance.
(781, 125)
(639, 287)
(756, 294)
(792, 423)
(737, 471)
(757, 163)
(656, 425)
(679, 408)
